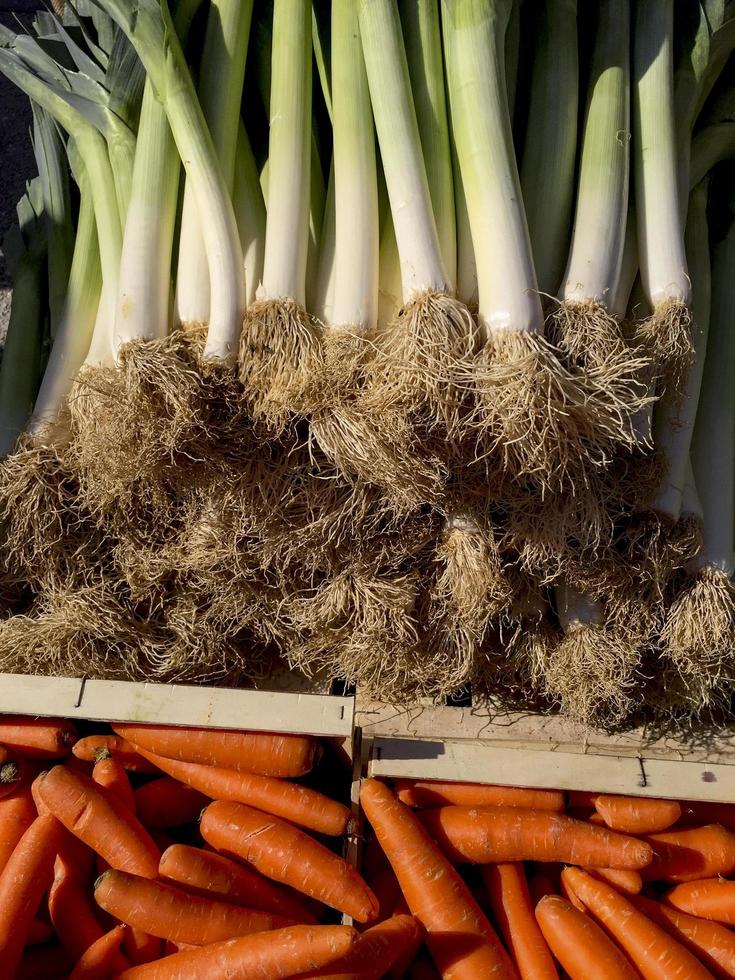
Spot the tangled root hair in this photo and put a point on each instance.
(668, 335)
(588, 336)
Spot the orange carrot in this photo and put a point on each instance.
(297, 804)
(629, 882)
(710, 942)
(110, 774)
(713, 898)
(376, 952)
(166, 802)
(651, 949)
(460, 938)
(70, 904)
(423, 969)
(691, 853)
(380, 877)
(168, 912)
(17, 813)
(286, 854)
(23, 882)
(420, 793)
(37, 738)
(258, 752)
(490, 834)
(262, 956)
(39, 932)
(88, 749)
(113, 833)
(701, 813)
(140, 947)
(637, 815)
(216, 876)
(511, 907)
(103, 959)
(570, 895)
(579, 944)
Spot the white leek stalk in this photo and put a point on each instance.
(221, 75)
(423, 43)
(326, 284)
(550, 148)
(249, 207)
(77, 323)
(660, 227)
(149, 28)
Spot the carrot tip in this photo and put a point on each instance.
(10, 773)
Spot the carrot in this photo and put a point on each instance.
(420, 793)
(113, 833)
(701, 813)
(423, 969)
(579, 944)
(17, 813)
(37, 738)
(166, 802)
(262, 956)
(70, 905)
(168, 912)
(491, 834)
(713, 898)
(542, 883)
(651, 949)
(637, 815)
(11, 771)
(23, 882)
(459, 936)
(110, 774)
(39, 932)
(710, 942)
(376, 952)
(44, 963)
(691, 853)
(88, 749)
(380, 877)
(216, 876)
(629, 882)
(257, 752)
(579, 799)
(140, 947)
(103, 959)
(511, 907)
(297, 804)
(286, 854)
(570, 895)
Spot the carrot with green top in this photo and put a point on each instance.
(23, 883)
(579, 944)
(288, 855)
(430, 793)
(691, 853)
(710, 942)
(510, 904)
(263, 956)
(712, 898)
(259, 752)
(103, 959)
(490, 834)
(17, 813)
(111, 831)
(291, 801)
(376, 952)
(111, 775)
(37, 738)
(637, 815)
(166, 802)
(459, 936)
(216, 876)
(88, 749)
(168, 912)
(650, 948)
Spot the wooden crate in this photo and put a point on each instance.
(291, 712)
(472, 745)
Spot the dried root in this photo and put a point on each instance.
(280, 361)
(698, 637)
(668, 335)
(588, 336)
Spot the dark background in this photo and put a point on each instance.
(16, 157)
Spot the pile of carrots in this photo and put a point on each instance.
(579, 885)
(154, 852)
(148, 852)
